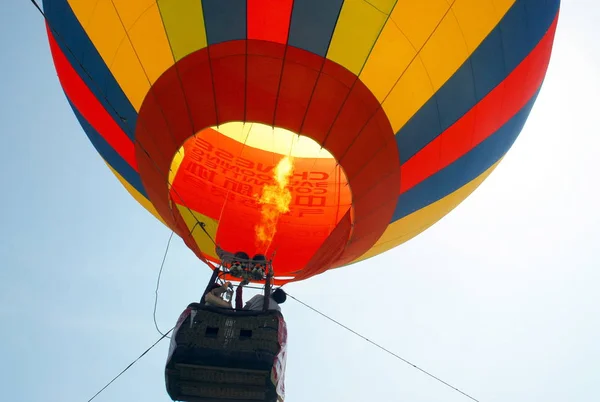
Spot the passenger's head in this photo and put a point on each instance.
(279, 295)
(240, 259)
(259, 265)
(259, 259)
(241, 255)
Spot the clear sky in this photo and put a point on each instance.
(501, 298)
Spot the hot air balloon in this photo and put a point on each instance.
(318, 133)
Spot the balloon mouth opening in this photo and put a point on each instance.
(259, 189)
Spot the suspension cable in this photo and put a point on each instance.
(130, 365)
(382, 348)
(162, 265)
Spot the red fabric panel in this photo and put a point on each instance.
(359, 107)
(229, 75)
(368, 143)
(327, 99)
(330, 251)
(295, 91)
(263, 84)
(354, 248)
(171, 101)
(196, 78)
(269, 20)
(340, 73)
(304, 58)
(265, 49)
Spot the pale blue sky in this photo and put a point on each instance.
(501, 298)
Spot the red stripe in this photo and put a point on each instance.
(269, 20)
(484, 119)
(90, 108)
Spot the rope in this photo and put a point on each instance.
(158, 284)
(129, 366)
(382, 348)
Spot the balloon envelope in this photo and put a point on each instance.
(324, 131)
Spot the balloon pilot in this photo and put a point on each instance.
(219, 295)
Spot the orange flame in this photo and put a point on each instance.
(275, 200)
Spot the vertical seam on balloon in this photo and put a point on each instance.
(375, 182)
(377, 8)
(528, 27)
(357, 76)
(285, 50)
(126, 37)
(506, 72)
(189, 113)
(169, 159)
(210, 66)
(462, 34)
(418, 51)
(321, 69)
(503, 83)
(91, 14)
(150, 90)
(338, 179)
(380, 104)
(389, 17)
(246, 68)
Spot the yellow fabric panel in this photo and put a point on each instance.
(408, 95)
(458, 35)
(381, 71)
(444, 52)
(417, 19)
(102, 22)
(395, 56)
(144, 202)
(475, 17)
(184, 23)
(191, 219)
(383, 6)
(131, 10)
(175, 164)
(415, 223)
(357, 29)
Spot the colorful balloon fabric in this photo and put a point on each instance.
(324, 132)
